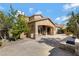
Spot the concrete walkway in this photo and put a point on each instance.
(25, 48)
(29, 47)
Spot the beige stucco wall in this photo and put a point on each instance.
(22, 35)
(27, 19)
(34, 27)
(45, 22)
(37, 17)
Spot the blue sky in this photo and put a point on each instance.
(57, 12)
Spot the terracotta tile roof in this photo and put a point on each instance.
(43, 18)
(36, 15)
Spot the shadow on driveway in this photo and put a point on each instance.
(56, 51)
(60, 52)
(50, 41)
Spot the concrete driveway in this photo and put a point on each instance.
(25, 48)
(30, 47)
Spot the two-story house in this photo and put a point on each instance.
(40, 25)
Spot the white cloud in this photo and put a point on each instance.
(75, 5)
(31, 10)
(1, 8)
(62, 18)
(70, 6)
(58, 18)
(38, 12)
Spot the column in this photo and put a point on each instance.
(46, 30)
(51, 31)
(36, 31)
(54, 30)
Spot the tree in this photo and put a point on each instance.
(20, 26)
(4, 25)
(12, 15)
(19, 23)
(72, 24)
(12, 23)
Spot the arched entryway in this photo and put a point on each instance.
(45, 30)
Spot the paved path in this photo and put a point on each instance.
(25, 48)
(28, 47)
